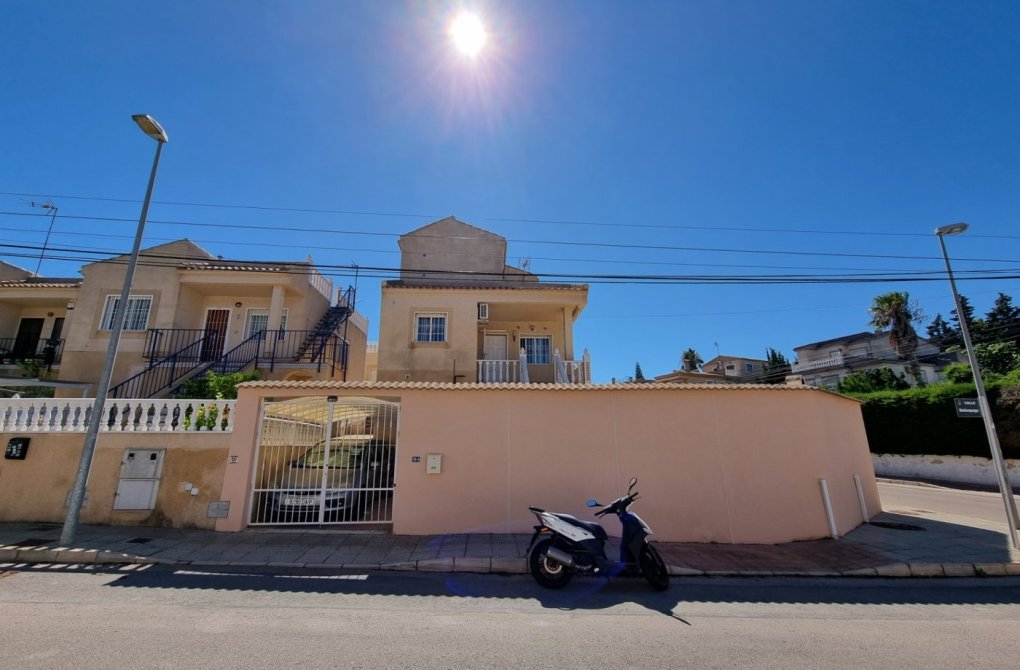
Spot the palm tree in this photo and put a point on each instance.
(691, 361)
(894, 312)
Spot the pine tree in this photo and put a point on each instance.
(638, 375)
(941, 334)
(775, 368)
(1002, 322)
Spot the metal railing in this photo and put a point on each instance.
(303, 347)
(46, 350)
(162, 342)
(61, 415)
(162, 374)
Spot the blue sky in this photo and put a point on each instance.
(706, 139)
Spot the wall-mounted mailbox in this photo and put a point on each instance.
(17, 448)
(433, 464)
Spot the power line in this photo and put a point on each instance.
(168, 260)
(601, 245)
(563, 222)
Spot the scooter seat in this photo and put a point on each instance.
(590, 526)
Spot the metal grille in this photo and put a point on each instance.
(325, 462)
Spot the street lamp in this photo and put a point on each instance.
(986, 410)
(151, 128)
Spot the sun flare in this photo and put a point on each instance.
(468, 34)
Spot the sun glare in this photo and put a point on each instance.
(468, 34)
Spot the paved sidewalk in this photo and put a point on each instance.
(893, 545)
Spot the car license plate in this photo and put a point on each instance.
(300, 501)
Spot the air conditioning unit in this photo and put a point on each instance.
(483, 311)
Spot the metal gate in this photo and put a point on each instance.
(325, 461)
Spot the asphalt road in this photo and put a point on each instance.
(163, 617)
(913, 498)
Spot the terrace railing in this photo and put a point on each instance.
(62, 415)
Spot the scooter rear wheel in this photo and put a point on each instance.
(654, 568)
(546, 571)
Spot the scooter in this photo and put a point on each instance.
(570, 546)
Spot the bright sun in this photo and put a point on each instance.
(468, 34)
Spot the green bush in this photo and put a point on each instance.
(213, 385)
(923, 420)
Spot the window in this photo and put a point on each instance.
(748, 367)
(258, 319)
(430, 328)
(537, 348)
(137, 316)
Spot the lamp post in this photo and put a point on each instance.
(986, 410)
(151, 128)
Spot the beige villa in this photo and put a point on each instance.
(460, 314)
(188, 311)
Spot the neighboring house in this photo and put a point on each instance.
(749, 370)
(696, 377)
(459, 313)
(190, 311)
(825, 363)
(33, 317)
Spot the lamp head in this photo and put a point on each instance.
(951, 229)
(150, 127)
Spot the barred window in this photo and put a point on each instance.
(430, 328)
(537, 349)
(137, 316)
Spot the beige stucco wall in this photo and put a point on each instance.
(728, 464)
(513, 312)
(36, 488)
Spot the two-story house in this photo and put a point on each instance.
(749, 370)
(459, 313)
(188, 311)
(824, 364)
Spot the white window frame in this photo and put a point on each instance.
(430, 335)
(131, 321)
(533, 354)
(259, 311)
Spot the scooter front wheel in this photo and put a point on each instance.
(654, 568)
(546, 571)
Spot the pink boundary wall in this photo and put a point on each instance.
(730, 464)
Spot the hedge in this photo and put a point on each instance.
(923, 421)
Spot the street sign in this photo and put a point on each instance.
(967, 408)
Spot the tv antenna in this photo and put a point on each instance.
(53, 217)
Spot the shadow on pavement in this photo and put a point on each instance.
(580, 594)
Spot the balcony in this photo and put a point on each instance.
(289, 348)
(835, 360)
(46, 351)
(556, 372)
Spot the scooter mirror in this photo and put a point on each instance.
(593, 503)
(633, 481)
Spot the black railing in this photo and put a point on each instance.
(307, 347)
(163, 342)
(46, 351)
(241, 356)
(162, 374)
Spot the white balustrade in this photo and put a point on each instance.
(320, 283)
(834, 360)
(494, 372)
(66, 415)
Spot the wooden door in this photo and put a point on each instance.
(215, 333)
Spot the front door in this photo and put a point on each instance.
(495, 347)
(215, 333)
(26, 344)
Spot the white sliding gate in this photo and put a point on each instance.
(325, 461)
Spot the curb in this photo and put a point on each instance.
(486, 565)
